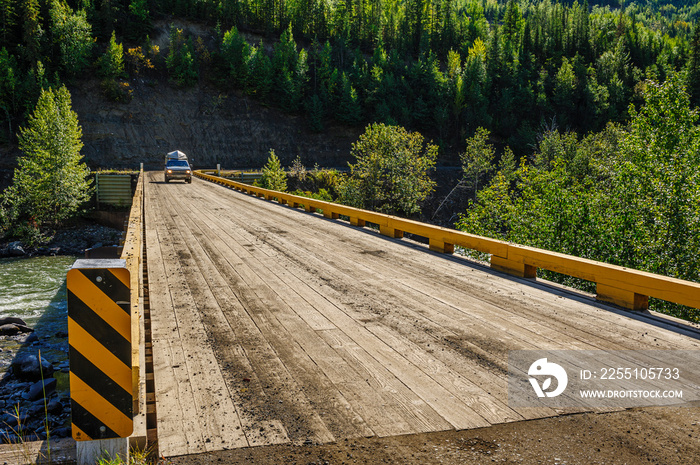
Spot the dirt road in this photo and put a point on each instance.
(664, 435)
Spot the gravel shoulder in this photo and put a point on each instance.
(661, 435)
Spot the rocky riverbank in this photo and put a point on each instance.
(32, 390)
(34, 361)
(70, 241)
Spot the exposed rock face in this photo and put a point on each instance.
(209, 126)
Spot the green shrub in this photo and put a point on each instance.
(322, 194)
(273, 175)
(118, 91)
(391, 172)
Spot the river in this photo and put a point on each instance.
(34, 289)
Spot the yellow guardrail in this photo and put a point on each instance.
(626, 287)
(133, 254)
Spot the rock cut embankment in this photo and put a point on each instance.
(209, 125)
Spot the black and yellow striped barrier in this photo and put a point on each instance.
(99, 335)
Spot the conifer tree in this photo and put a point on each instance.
(111, 64)
(49, 184)
(9, 92)
(693, 77)
(235, 52)
(8, 19)
(180, 60)
(273, 175)
(32, 32)
(259, 72)
(72, 34)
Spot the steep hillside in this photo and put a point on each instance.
(211, 127)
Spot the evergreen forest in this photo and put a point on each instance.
(441, 67)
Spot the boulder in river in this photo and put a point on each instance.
(11, 325)
(38, 391)
(27, 367)
(11, 329)
(14, 249)
(27, 338)
(12, 320)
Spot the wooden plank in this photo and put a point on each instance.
(61, 451)
(640, 282)
(436, 331)
(550, 307)
(374, 293)
(671, 289)
(177, 428)
(312, 261)
(411, 406)
(325, 399)
(389, 424)
(534, 327)
(387, 420)
(530, 335)
(409, 375)
(256, 432)
(201, 377)
(220, 424)
(401, 340)
(415, 267)
(132, 254)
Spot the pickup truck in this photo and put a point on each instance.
(177, 167)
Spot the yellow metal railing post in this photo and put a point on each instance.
(513, 267)
(621, 297)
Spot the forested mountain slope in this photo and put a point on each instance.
(444, 67)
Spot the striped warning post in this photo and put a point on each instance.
(99, 336)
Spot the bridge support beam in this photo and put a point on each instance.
(390, 232)
(309, 208)
(331, 215)
(513, 267)
(621, 297)
(441, 246)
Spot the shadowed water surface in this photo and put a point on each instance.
(34, 289)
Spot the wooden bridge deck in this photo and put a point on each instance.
(271, 325)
